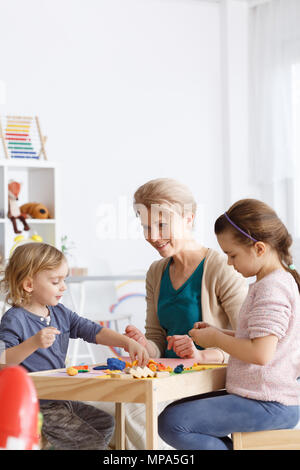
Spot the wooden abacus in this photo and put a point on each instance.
(22, 137)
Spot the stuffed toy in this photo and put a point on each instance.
(35, 210)
(14, 211)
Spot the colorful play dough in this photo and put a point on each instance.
(72, 371)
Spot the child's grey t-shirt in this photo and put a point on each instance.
(18, 324)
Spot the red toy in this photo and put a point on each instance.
(14, 212)
(19, 410)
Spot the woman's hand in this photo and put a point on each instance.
(201, 324)
(183, 346)
(134, 333)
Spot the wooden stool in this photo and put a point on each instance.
(282, 439)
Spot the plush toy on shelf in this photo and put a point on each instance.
(14, 212)
(35, 210)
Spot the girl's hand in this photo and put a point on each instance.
(45, 337)
(134, 333)
(183, 346)
(205, 337)
(137, 352)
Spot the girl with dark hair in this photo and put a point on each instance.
(262, 391)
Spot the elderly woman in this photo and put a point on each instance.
(190, 283)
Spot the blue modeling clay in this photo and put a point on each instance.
(178, 369)
(115, 364)
(112, 364)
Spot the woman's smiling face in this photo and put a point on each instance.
(166, 230)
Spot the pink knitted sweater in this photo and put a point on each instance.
(272, 307)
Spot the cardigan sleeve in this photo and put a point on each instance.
(153, 330)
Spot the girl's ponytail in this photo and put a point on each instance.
(295, 275)
(287, 259)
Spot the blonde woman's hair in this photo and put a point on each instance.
(26, 261)
(165, 192)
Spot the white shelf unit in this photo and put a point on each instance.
(39, 184)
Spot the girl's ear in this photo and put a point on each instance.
(28, 284)
(260, 248)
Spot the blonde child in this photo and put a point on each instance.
(262, 391)
(36, 332)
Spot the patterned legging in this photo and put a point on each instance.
(73, 425)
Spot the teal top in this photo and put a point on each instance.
(179, 309)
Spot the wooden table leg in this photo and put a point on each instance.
(120, 426)
(151, 416)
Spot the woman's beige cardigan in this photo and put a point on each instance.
(223, 291)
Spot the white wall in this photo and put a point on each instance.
(126, 91)
(235, 98)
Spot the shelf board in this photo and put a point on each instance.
(34, 221)
(41, 221)
(27, 163)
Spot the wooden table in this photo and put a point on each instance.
(121, 391)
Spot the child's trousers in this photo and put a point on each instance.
(73, 425)
(205, 423)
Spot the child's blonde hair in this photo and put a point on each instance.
(167, 192)
(26, 261)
